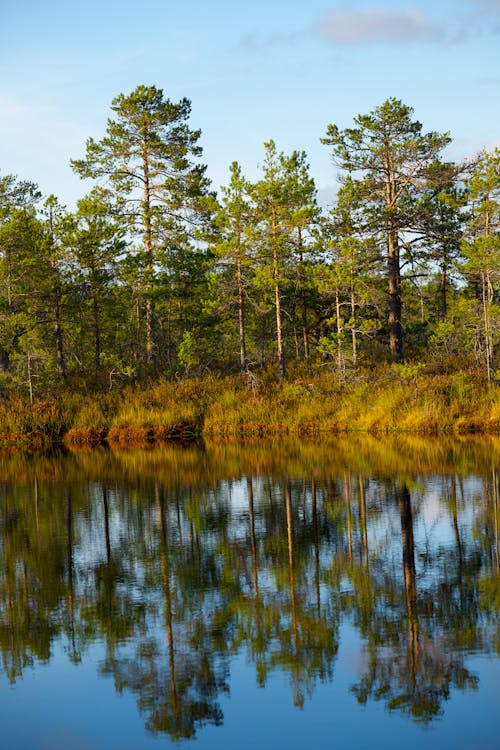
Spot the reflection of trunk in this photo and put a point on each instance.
(316, 546)
(362, 510)
(69, 533)
(167, 598)
(71, 600)
(260, 636)
(273, 517)
(405, 512)
(179, 526)
(496, 492)
(36, 505)
(347, 499)
(8, 565)
(253, 542)
(106, 523)
(456, 530)
(289, 528)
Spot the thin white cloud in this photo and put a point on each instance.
(256, 43)
(350, 26)
(347, 26)
(493, 5)
(375, 25)
(489, 81)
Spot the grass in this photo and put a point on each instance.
(383, 404)
(385, 401)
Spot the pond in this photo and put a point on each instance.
(343, 592)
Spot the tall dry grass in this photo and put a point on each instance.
(389, 400)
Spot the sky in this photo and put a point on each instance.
(253, 70)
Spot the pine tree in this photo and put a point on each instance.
(482, 248)
(390, 160)
(148, 160)
(96, 241)
(233, 250)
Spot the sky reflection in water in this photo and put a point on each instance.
(267, 594)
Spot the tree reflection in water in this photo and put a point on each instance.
(175, 576)
(417, 663)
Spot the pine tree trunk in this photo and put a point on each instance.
(303, 298)
(279, 331)
(97, 332)
(444, 298)
(395, 306)
(277, 298)
(148, 249)
(487, 293)
(4, 361)
(488, 339)
(354, 340)
(241, 317)
(340, 358)
(61, 364)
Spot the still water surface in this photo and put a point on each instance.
(342, 594)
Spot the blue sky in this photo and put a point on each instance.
(280, 69)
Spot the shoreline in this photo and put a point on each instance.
(188, 410)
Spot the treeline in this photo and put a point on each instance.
(154, 273)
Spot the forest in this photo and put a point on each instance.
(157, 289)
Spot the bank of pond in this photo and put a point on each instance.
(395, 399)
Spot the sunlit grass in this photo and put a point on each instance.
(390, 400)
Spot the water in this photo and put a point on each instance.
(342, 593)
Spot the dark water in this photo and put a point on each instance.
(274, 595)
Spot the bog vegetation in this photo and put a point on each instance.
(161, 309)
